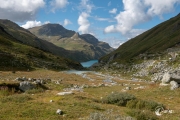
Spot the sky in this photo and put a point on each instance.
(111, 21)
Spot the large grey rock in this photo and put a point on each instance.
(25, 85)
(174, 85)
(167, 78)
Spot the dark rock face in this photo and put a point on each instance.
(25, 85)
(54, 30)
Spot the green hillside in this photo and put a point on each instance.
(15, 55)
(153, 41)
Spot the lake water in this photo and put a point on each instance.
(89, 63)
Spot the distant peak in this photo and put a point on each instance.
(76, 34)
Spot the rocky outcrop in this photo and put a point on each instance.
(25, 85)
(168, 77)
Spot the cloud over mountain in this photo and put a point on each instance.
(30, 24)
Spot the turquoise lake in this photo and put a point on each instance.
(89, 63)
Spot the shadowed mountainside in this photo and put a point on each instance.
(19, 49)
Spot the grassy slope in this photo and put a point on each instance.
(16, 56)
(157, 39)
(26, 37)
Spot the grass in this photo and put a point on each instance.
(87, 104)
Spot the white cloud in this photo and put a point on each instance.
(67, 22)
(103, 19)
(109, 3)
(20, 10)
(113, 11)
(58, 4)
(114, 42)
(110, 29)
(159, 7)
(134, 32)
(84, 23)
(30, 24)
(138, 11)
(86, 6)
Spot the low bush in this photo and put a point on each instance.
(108, 115)
(33, 91)
(142, 104)
(142, 115)
(119, 99)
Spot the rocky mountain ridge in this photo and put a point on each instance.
(87, 45)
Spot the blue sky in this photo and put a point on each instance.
(112, 21)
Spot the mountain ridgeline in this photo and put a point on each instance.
(21, 50)
(86, 46)
(153, 42)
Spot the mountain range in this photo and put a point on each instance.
(86, 45)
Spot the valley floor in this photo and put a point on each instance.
(83, 101)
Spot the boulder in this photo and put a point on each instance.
(25, 85)
(59, 111)
(167, 78)
(174, 85)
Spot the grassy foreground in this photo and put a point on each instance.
(86, 105)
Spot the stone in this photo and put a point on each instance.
(128, 88)
(65, 93)
(167, 77)
(19, 79)
(59, 111)
(24, 78)
(174, 85)
(25, 85)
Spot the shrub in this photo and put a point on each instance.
(142, 115)
(33, 91)
(119, 99)
(142, 104)
(108, 115)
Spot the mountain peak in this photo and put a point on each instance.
(89, 38)
(55, 30)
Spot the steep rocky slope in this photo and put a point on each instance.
(87, 45)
